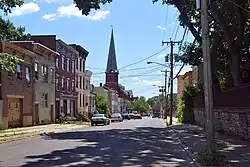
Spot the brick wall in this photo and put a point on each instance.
(233, 121)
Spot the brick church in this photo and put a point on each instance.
(112, 73)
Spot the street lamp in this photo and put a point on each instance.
(151, 62)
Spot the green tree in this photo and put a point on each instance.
(102, 105)
(9, 32)
(130, 106)
(141, 105)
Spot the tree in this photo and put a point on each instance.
(130, 105)
(102, 105)
(141, 105)
(9, 32)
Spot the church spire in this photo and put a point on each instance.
(112, 64)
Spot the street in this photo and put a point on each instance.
(143, 142)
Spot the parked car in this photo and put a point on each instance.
(99, 119)
(116, 117)
(125, 116)
(137, 116)
(131, 115)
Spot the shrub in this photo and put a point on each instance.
(208, 158)
(65, 120)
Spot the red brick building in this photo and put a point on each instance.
(65, 73)
(17, 89)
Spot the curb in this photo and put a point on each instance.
(39, 134)
(189, 153)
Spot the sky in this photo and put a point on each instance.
(139, 28)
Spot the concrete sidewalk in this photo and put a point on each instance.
(33, 131)
(237, 151)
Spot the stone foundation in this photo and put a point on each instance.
(233, 121)
(27, 120)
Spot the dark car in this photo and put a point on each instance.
(137, 116)
(125, 116)
(99, 119)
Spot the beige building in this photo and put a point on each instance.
(44, 85)
(87, 89)
(111, 96)
(183, 80)
(92, 99)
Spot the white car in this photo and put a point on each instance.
(99, 119)
(116, 117)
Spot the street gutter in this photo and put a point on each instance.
(184, 147)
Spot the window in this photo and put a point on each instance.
(52, 75)
(57, 62)
(77, 63)
(63, 88)
(87, 84)
(63, 63)
(44, 99)
(83, 100)
(73, 85)
(73, 66)
(83, 83)
(68, 81)
(57, 82)
(83, 65)
(80, 82)
(76, 81)
(19, 71)
(36, 70)
(27, 70)
(68, 63)
(80, 100)
(80, 64)
(44, 70)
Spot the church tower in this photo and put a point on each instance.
(111, 70)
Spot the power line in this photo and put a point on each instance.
(234, 3)
(144, 58)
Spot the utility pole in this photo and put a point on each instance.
(208, 87)
(172, 43)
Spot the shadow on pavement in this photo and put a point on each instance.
(237, 151)
(116, 148)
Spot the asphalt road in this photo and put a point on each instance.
(132, 143)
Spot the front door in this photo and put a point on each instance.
(52, 113)
(57, 113)
(36, 119)
(14, 110)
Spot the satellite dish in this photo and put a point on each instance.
(28, 37)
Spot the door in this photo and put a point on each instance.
(52, 113)
(14, 110)
(36, 119)
(57, 108)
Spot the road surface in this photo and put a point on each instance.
(132, 143)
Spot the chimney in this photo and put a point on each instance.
(100, 84)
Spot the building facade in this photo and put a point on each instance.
(80, 78)
(183, 80)
(92, 100)
(44, 75)
(17, 93)
(87, 89)
(66, 96)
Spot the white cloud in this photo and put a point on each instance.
(161, 28)
(146, 82)
(54, 1)
(27, 8)
(72, 11)
(161, 56)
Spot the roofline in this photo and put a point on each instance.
(81, 49)
(68, 46)
(36, 43)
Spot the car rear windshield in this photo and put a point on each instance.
(115, 115)
(98, 115)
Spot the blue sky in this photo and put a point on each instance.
(139, 28)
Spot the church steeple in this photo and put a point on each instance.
(111, 64)
(111, 70)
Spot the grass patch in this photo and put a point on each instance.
(207, 158)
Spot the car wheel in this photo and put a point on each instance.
(92, 124)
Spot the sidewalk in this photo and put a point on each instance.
(236, 151)
(34, 131)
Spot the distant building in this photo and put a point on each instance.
(183, 80)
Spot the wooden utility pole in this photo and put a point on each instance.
(172, 43)
(208, 87)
